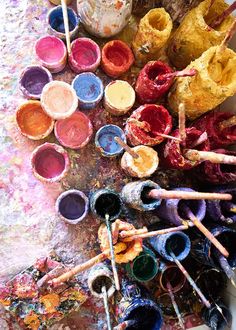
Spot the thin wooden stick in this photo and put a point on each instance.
(66, 25)
(219, 19)
(176, 308)
(105, 300)
(202, 138)
(182, 120)
(184, 73)
(190, 280)
(180, 194)
(213, 157)
(127, 233)
(228, 37)
(205, 231)
(113, 261)
(227, 123)
(126, 147)
(226, 268)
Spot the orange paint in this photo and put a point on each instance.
(32, 121)
(32, 321)
(50, 301)
(107, 30)
(118, 4)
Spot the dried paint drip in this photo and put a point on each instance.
(89, 90)
(72, 206)
(105, 140)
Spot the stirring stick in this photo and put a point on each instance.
(197, 155)
(179, 194)
(227, 123)
(202, 138)
(204, 230)
(113, 262)
(105, 299)
(190, 280)
(66, 25)
(226, 268)
(176, 308)
(182, 120)
(127, 233)
(126, 147)
(184, 73)
(227, 38)
(219, 19)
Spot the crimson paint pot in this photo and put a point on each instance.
(51, 52)
(49, 162)
(85, 55)
(117, 58)
(170, 273)
(75, 131)
(32, 121)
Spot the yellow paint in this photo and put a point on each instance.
(50, 301)
(144, 162)
(32, 321)
(120, 94)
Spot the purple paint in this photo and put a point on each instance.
(72, 206)
(32, 80)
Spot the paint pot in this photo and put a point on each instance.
(99, 276)
(105, 140)
(211, 281)
(171, 210)
(218, 317)
(51, 52)
(59, 99)
(178, 243)
(223, 211)
(170, 273)
(50, 162)
(119, 97)
(144, 267)
(104, 18)
(142, 167)
(72, 206)
(117, 58)
(85, 55)
(105, 201)
(89, 90)
(134, 195)
(136, 305)
(156, 119)
(32, 121)
(32, 80)
(56, 22)
(75, 131)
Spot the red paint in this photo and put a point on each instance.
(147, 89)
(117, 58)
(74, 132)
(157, 120)
(171, 155)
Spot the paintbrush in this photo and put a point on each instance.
(66, 25)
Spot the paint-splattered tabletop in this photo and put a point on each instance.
(29, 226)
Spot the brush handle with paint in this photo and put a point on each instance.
(226, 268)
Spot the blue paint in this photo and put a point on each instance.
(56, 22)
(89, 90)
(105, 140)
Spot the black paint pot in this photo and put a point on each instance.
(211, 281)
(217, 318)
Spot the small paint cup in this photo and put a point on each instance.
(99, 276)
(85, 55)
(105, 140)
(59, 99)
(51, 53)
(179, 243)
(215, 277)
(171, 274)
(32, 121)
(72, 206)
(144, 267)
(117, 58)
(142, 167)
(56, 22)
(32, 80)
(218, 316)
(89, 90)
(75, 131)
(119, 97)
(49, 162)
(105, 201)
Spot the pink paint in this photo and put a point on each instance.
(74, 132)
(51, 53)
(85, 55)
(49, 162)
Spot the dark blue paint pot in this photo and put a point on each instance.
(179, 243)
(89, 90)
(105, 140)
(72, 206)
(56, 22)
(214, 318)
(105, 201)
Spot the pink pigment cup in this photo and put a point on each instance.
(51, 53)
(85, 55)
(50, 162)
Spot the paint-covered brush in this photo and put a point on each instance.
(66, 25)
(176, 308)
